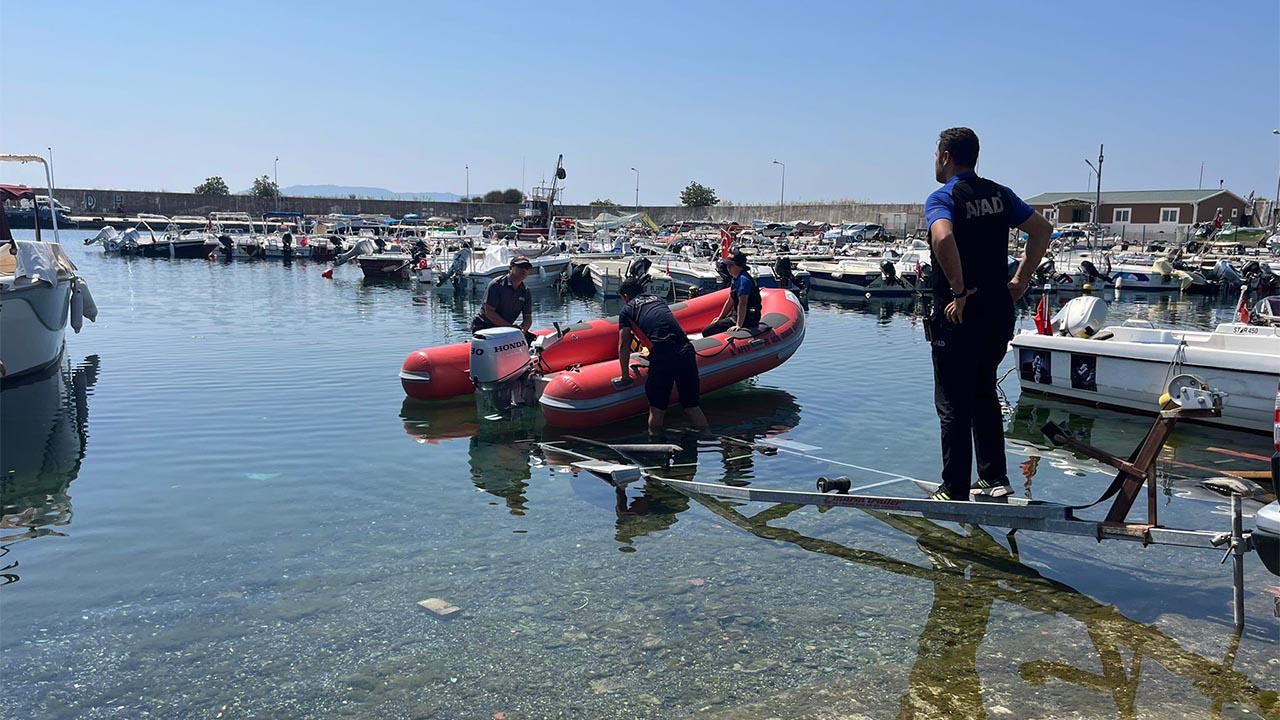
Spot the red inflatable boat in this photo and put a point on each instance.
(585, 396)
(578, 371)
(444, 372)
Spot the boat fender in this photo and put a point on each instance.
(77, 309)
(90, 307)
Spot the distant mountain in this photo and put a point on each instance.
(376, 193)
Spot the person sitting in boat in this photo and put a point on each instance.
(506, 299)
(672, 360)
(742, 309)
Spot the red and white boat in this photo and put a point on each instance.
(569, 371)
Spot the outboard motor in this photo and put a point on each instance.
(380, 243)
(1043, 272)
(782, 271)
(1081, 317)
(889, 272)
(286, 241)
(1226, 275)
(725, 278)
(500, 369)
(1090, 270)
(454, 273)
(228, 245)
(638, 267)
(1163, 268)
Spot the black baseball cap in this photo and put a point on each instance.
(739, 258)
(521, 261)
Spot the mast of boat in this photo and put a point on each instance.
(551, 199)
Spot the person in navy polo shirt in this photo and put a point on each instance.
(742, 309)
(969, 220)
(506, 299)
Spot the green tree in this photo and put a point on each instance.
(212, 186)
(264, 187)
(603, 203)
(698, 195)
(512, 196)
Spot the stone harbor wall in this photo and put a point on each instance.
(97, 203)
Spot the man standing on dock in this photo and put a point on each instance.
(506, 299)
(969, 220)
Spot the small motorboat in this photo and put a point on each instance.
(484, 267)
(1128, 366)
(570, 372)
(41, 291)
(607, 276)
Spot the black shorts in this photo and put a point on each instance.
(668, 366)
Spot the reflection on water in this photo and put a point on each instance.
(1192, 452)
(500, 453)
(970, 571)
(45, 420)
(884, 309)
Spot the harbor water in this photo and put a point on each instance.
(223, 506)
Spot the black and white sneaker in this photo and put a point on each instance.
(993, 490)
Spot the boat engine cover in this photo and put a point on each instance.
(498, 355)
(1081, 317)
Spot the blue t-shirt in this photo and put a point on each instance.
(741, 285)
(941, 203)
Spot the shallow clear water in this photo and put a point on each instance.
(224, 505)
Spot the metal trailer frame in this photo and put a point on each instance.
(1013, 513)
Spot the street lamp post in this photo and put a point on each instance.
(782, 194)
(1097, 203)
(637, 172)
(276, 179)
(1275, 206)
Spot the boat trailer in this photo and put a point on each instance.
(1008, 512)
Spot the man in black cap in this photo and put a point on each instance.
(672, 360)
(507, 299)
(742, 309)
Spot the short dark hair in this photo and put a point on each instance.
(631, 287)
(962, 143)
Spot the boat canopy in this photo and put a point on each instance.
(17, 192)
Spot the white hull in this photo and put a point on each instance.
(1131, 369)
(545, 273)
(33, 323)
(607, 277)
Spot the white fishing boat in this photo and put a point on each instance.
(1129, 366)
(863, 277)
(607, 276)
(483, 267)
(40, 292)
(1158, 275)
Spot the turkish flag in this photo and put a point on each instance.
(726, 242)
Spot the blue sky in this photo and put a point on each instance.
(850, 95)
